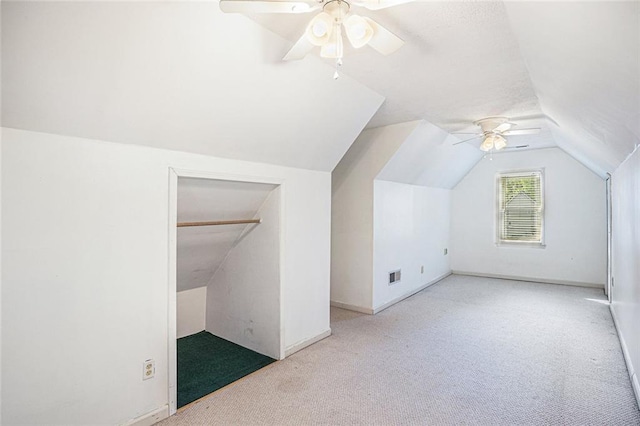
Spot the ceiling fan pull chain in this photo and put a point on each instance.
(338, 64)
(340, 48)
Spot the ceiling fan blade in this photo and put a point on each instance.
(379, 4)
(383, 40)
(299, 50)
(467, 140)
(359, 32)
(515, 147)
(265, 6)
(521, 132)
(504, 127)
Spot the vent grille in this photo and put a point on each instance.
(394, 277)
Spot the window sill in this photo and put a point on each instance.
(524, 244)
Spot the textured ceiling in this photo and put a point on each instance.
(183, 75)
(460, 62)
(584, 62)
(571, 68)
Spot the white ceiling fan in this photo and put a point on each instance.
(326, 28)
(493, 132)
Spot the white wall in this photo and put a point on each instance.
(191, 309)
(574, 222)
(411, 231)
(243, 296)
(625, 294)
(352, 213)
(382, 220)
(85, 277)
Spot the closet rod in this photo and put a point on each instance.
(220, 222)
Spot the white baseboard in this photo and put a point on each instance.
(355, 308)
(410, 293)
(627, 357)
(373, 311)
(307, 342)
(150, 418)
(530, 279)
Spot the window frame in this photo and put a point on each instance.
(498, 212)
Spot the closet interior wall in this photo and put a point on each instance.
(228, 274)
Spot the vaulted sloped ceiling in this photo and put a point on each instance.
(584, 62)
(570, 68)
(183, 75)
(175, 75)
(428, 157)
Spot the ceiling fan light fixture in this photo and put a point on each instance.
(383, 40)
(320, 29)
(493, 141)
(487, 144)
(499, 142)
(334, 48)
(359, 31)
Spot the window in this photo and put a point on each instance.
(521, 208)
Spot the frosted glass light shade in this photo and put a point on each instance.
(493, 142)
(334, 48)
(487, 144)
(359, 32)
(499, 142)
(320, 29)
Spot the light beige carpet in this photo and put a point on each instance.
(465, 351)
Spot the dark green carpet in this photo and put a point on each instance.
(207, 362)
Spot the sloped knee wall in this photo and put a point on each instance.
(243, 297)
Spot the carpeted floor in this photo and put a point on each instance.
(465, 351)
(206, 363)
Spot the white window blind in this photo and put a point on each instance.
(521, 207)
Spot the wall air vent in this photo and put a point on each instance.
(394, 277)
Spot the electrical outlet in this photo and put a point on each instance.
(446, 251)
(148, 369)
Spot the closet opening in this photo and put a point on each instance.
(226, 298)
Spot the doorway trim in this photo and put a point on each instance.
(609, 285)
(173, 175)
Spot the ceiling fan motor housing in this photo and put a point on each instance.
(490, 124)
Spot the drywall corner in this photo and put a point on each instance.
(191, 311)
(352, 212)
(305, 343)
